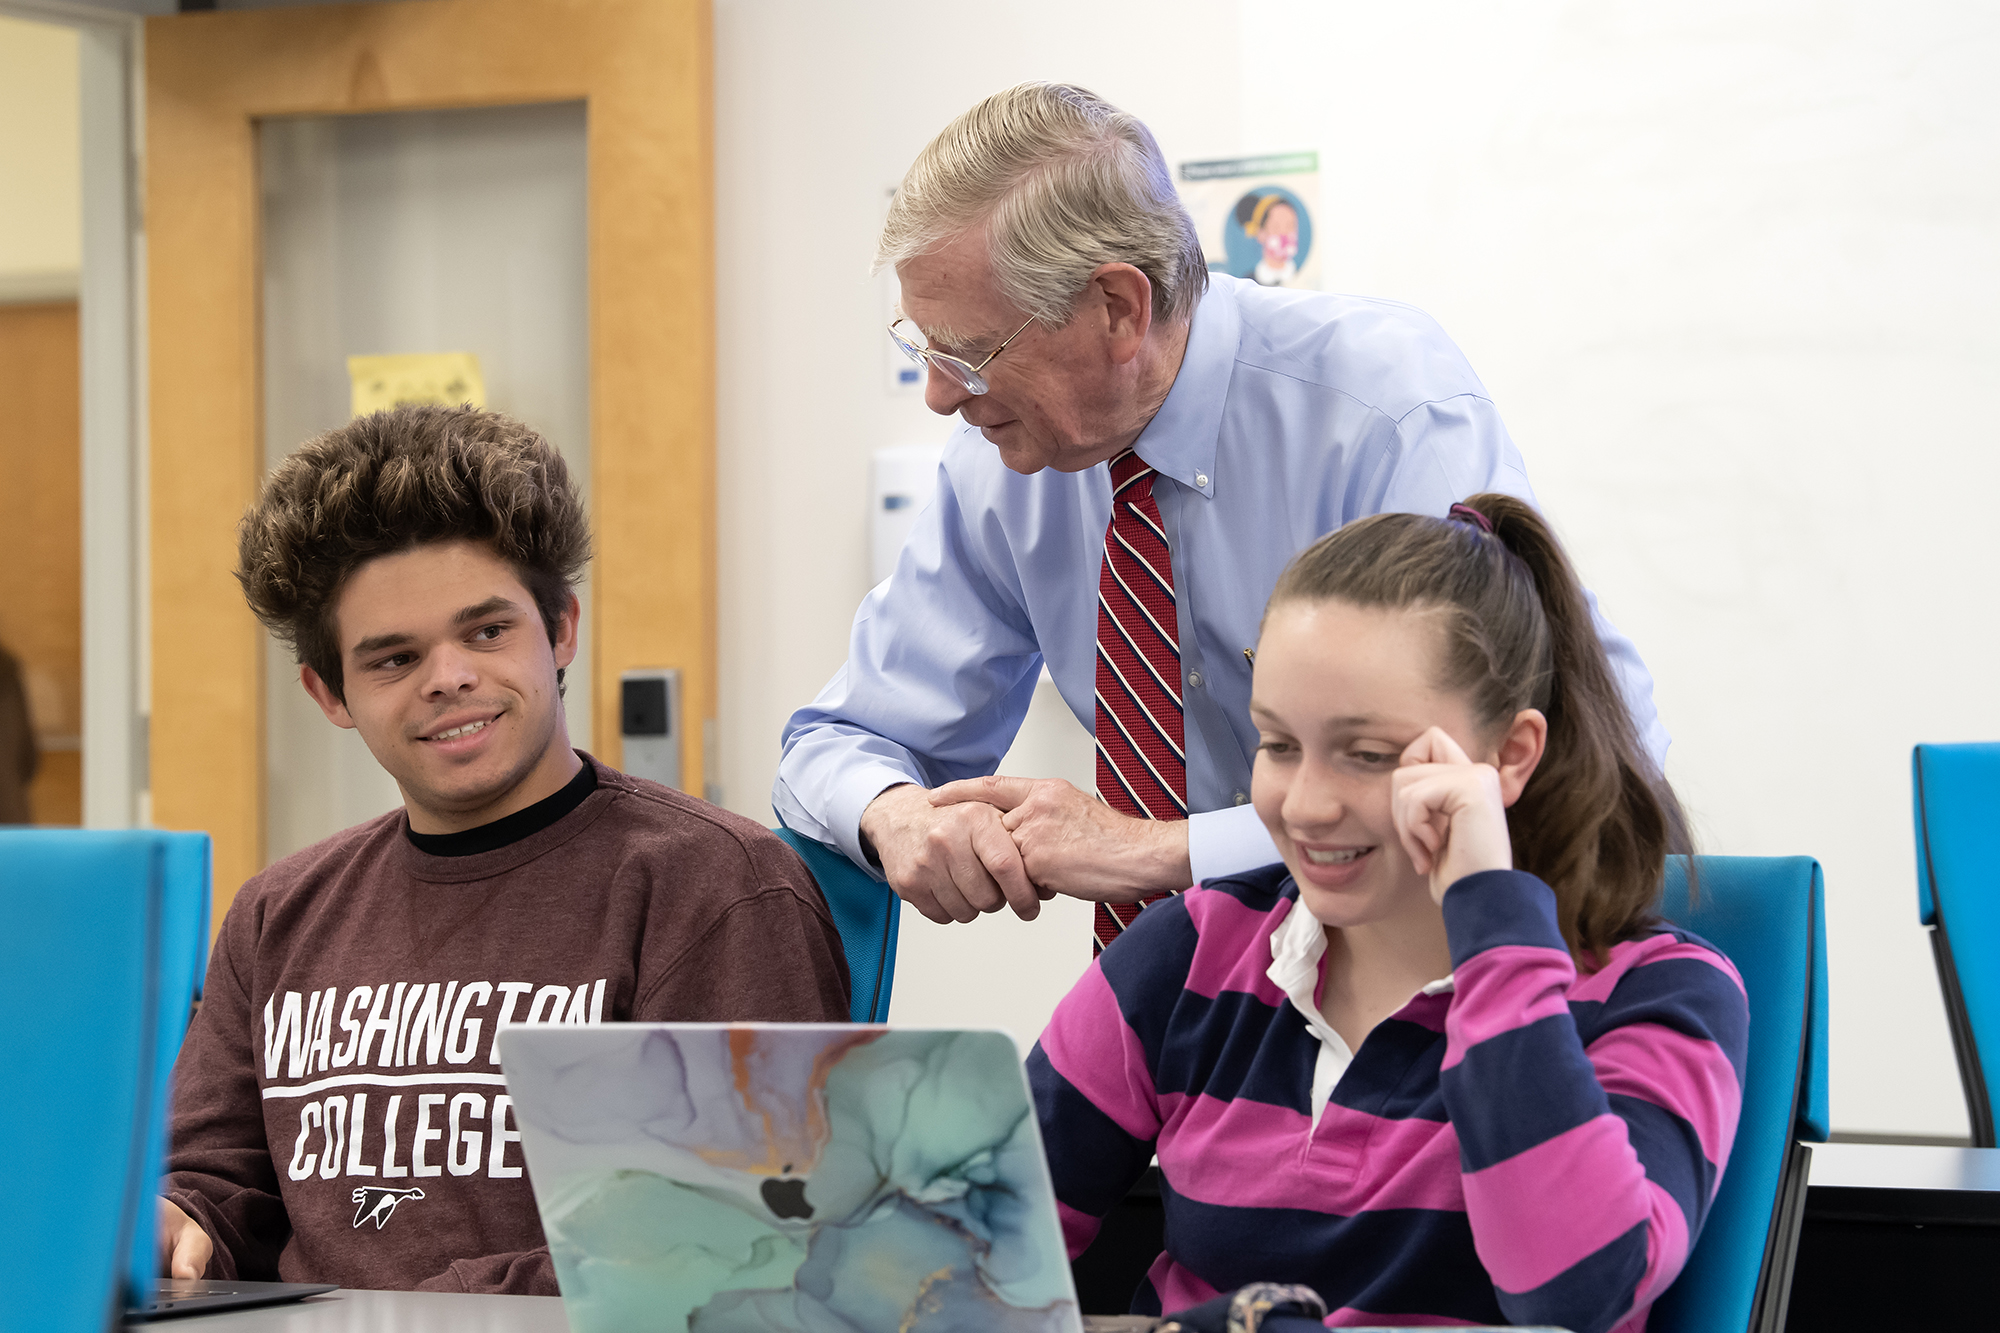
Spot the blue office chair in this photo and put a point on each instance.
(1956, 791)
(868, 915)
(185, 899)
(102, 945)
(1768, 914)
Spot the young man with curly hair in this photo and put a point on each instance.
(340, 1112)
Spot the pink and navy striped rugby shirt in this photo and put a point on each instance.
(1520, 1145)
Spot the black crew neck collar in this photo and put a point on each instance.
(508, 829)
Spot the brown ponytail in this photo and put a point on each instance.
(1596, 820)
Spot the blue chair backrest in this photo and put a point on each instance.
(868, 914)
(183, 964)
(1768, 915)
(1956, 793)
(95, 925)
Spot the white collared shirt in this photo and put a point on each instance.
(1297, 946)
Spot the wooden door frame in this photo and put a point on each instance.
(114, 712)
(644, 69)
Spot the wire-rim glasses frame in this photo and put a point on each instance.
(962, 372)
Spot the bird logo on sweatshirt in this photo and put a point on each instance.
(377, 1203)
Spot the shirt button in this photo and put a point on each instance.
(1201, 479)
(1241, 799)
(1194, 679)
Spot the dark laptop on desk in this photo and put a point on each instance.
(189, 1295)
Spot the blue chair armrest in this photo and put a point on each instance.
(868, 915)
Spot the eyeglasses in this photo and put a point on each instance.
(961, 372)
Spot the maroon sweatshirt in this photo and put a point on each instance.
(339, 1109)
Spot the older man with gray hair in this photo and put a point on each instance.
(1144, 445)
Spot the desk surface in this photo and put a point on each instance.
(1897, 1236)
(1894, 1166)
(381, 1312)
(422, 1312)
(1837, 1169)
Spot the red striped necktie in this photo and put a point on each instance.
(1141, 759)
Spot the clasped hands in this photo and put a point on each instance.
(982, 844)
(986, 843)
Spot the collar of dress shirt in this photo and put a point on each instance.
(1297, 946)
(1179, 441)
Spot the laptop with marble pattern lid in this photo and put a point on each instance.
(790, 1178)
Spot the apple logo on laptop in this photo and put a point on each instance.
(786, 1198)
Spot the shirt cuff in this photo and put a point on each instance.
(1491, 908)
(1228, 842)
(857, 789)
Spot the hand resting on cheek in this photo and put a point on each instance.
(1450, 813)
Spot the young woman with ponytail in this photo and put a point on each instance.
(1443, 1064)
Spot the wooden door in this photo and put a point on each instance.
(643, 69)
(41, 513)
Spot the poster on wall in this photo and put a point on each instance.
(1255, 216)
(381, 382)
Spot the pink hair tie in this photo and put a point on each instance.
(1467, 514)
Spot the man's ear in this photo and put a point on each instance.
(566, 633)
(1127, 295)
(1522, 746)
(322, 694)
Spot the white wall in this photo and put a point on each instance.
(1729, 270)
(41, 192)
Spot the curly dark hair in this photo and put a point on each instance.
(394, 480)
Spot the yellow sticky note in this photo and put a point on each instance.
(450, 378)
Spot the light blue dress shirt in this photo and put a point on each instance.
(1293, 413)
